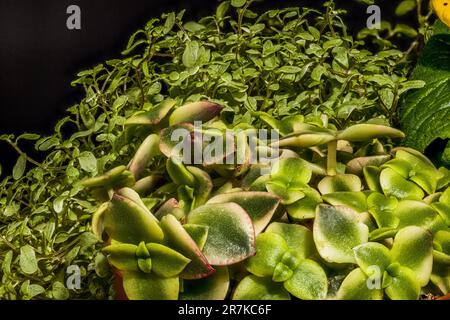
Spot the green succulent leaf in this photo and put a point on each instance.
(270, 248)
(413, 248)
(122, 256)
(337, 230)
(308, 282)
(288, 179)
(417, 213)
(259, 205)
(370, 255)
(147, 286)
(154, 116)
(214, 287)
(166, 262)
(256, 288)
(372, 178)
(305, 208)
(148, 149)
(297, 237)
(128, 222)
(198, 233)
(366, 132)
(401, 283)
(178, 172)
(176, 237)
(382, 209)
(393, 184)
(340, 183)
(355, 287)
(231, 236)
(196, 111)
(352, 199)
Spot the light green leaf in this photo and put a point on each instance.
(355, 287)
(231, 236)
(144, 286)
(309, 281)
(270, 248)
(19, 167)
(28, 261)
(214, 287)
(401, 283)
(370, 255)
(413, 249)
(337, 230)
(297, 237)
(255, 288)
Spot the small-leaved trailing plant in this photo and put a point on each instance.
(343, 212)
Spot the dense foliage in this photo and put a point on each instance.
(259, 67)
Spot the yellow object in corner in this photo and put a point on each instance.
(442, 9)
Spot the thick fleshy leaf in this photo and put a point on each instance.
(355, 287)
(444, 211)
(413, 248)
(196, 111)
(116, 178)
(129, 222)
(214, 287)
(305, 208)
(122, 256)
(309, 281)
(441, 278)
(288, 179)
(198, 233)
(152, 117)
(423, 172)
(382, 209)
(97, 220)
(166, 262)
(270, 248)
(357, 165)
(255, 288)
(339, 183)
(147, 286)
(148, 149)
(337, 230)
(366, 132)
(355, 200)
(147, 184)
(176, 237)
(417, 213)
(401, 283)
(172, 207)
(370, 255)
(176, 141)
(231, 236)
(393, 184)
(445, 197)
(372, 178)
(260, 206)
(297, 237)
(203, 186)
(304, 140)
(441, 241)
(382, 234)
(178, 172)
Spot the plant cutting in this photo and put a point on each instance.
(340, 209)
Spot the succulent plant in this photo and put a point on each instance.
(334, 202)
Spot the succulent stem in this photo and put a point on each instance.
(331, 158)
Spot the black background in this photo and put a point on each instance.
(39, 56)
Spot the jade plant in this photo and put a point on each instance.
(334, 204)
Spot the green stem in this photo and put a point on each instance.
(331, 158)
